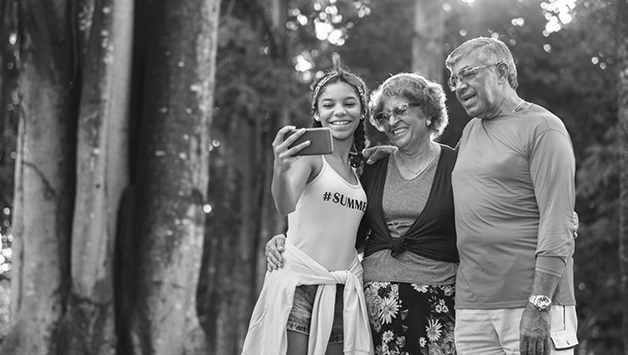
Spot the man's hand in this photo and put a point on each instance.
(576, 224)
(534, 332)
(376, 153)
(273, 251)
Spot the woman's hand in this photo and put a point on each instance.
(273, 251)
(284, 156)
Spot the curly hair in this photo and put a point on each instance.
(429, 95)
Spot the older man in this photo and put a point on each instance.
(514, 198)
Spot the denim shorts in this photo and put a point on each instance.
(301, 313)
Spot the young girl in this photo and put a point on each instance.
(315, 304)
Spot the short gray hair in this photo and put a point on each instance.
(490, 51)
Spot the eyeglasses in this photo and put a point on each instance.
(400, 112)
(465, 75)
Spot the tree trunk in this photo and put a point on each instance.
(236, 264)
(63, 308)
(622, 145)
(44, 175)
(429, 29)
(173, 175)
(269, 221)
(102, 174)
(8, 113)
(8, 145)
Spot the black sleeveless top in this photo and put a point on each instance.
(432, 235)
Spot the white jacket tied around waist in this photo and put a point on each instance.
(267, 333)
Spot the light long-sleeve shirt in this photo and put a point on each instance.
(514, 199)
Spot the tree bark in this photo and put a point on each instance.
(44, 175)
(102, 173)
(173, 175)
(622, 144)
(429, 28)
(59, 307)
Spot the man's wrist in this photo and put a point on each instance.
(541, 302)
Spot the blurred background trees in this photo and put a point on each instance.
(268, 52)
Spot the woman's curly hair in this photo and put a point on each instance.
(429, 95)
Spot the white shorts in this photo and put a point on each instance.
(496, 331)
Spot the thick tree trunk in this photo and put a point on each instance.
(173, 175)
(89, 324)
(44, 175)
(622, 145)
(429, 28)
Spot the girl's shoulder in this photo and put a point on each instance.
(312, 163)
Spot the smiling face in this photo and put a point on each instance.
(406, 130)
(339, 109)
(481, 95)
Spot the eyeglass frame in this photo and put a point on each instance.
(379, 120)
(454, 80)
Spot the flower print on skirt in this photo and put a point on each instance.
(411, 319)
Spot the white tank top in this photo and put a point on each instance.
(326, 219)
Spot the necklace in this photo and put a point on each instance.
(518, 106)
(422, 168)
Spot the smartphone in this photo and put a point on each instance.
(320, 141)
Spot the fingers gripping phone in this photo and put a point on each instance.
(320, 141)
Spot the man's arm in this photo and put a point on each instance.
(534, 328)
(373, 154)
(552, 170)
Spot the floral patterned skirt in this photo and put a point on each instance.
(411, 319)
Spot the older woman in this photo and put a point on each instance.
(410, 256)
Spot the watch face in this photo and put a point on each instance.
(543, 303)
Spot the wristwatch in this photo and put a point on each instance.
(542, 303)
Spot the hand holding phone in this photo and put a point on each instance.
(320, 141)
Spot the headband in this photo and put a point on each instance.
(349, 78)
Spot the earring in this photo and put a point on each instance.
(316, 118)
(428, 123)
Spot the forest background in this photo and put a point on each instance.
(135, 151)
